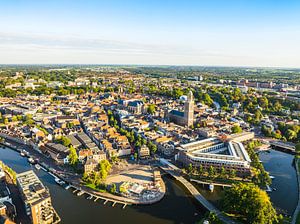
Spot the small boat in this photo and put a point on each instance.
(24, 153)
(79, 193)
(30, 160)
(59, 181)
(268, 189)
(272, 177)
(37, 166)
(211, 187)
(274, 189)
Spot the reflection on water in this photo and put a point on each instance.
(176, 207)
(280, 165)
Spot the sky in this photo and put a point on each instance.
(258, 33)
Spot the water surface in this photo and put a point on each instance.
(176, 207)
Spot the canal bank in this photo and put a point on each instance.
(88, 211)
(73, 180)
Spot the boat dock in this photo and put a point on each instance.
(79, 192)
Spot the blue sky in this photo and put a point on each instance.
(212, 32)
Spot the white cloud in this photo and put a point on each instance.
(47, 48)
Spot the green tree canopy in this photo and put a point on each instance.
(151, 108)
(236, 129)
(250, 202)
(104, 168)
(73, 157)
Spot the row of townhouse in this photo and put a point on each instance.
(96, 126)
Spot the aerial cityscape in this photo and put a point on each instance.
(165, 112)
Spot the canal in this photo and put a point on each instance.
(280, 165)
(176, 207)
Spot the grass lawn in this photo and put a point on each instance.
(93, 186)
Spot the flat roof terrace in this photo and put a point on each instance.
(200, 144)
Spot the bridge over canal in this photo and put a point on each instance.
(175, 172)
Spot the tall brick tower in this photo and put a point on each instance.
(189, 110)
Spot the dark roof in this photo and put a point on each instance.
(74, 141)
(58, 147)
(83, 138)
(135, 103)
(177, 113)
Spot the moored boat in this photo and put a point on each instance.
(31, 160)
(59, 181)
(37, 166)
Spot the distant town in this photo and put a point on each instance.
(111, 134)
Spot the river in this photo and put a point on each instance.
(280, 165)
(176, 207)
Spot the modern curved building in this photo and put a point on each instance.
(216, 153)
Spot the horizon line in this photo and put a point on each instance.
(148, 65)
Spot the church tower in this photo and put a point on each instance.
(189, 110)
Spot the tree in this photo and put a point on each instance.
(177, 93)
(211, 171)
(5, 121)
(113, 188)
(86, 178)
(232, 173)
(258, 115)
(73, 157)
(104, 168)
(298, 148)
(207, 99)
(291, 135)
(263, 102)
(200, 170)
(213, 218)
(135, 155)
(250, 202)
(65, 141)
(276, 134)
(223, 172)
(143, 141)
(122, 189)
(277, 106)
(14, 119)
(266, 131)
(236, 129)
(152, 147)
(190, 168)
(151, 109)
